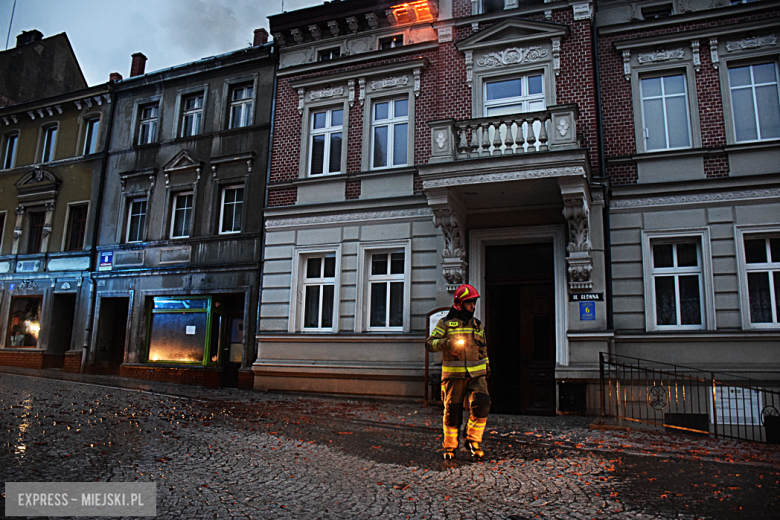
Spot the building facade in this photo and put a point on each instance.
(418, 146)
(181, 220)
(691, 124)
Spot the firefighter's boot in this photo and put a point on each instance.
(449, 454)
(475, 450)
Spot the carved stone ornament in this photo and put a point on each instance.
(454, 253)
(297, 35)
(17, 232)
(751, 43)
(20, 210)
(314, 29)
(326, 93)
(373, 21)
(351, 92)
(714, 53)
(698, 198)
(301, 94)
(652, 57)
(445, 34)
(417, 73)
(279, 39)
(46, 229)
(353, 24)
(390, 82)
(390, 17)
(333, 25)
(441, 139)
(556, 53)
(28, 285)
(361, 90)
(469, 67)
(512, 56)
(579, 261)
(627, 65)
(563, 126)
(696, 56)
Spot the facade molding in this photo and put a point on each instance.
(698, 198)
(349, 218)
(569, 171)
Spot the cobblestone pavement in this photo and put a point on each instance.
(231, 453)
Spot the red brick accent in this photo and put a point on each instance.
(36, 359)
(208, 377)
(246, 379)
(72, 362)
(282, 197)
(418, 183)
(716, 166)
(138, 64)
(621, 174)
(353, 190)
(261, 37)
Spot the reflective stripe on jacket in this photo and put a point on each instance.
(459, 361)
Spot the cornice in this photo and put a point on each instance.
(683, 36)
(753, 195)
(367, 57)
(272, 224)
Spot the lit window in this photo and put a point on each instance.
(390, 133)
(677, 284)
(181, 215)
(136, 220)
(37, 221)
(386, 290)
(666, 124)
(24, 321)
(328, 54)
(91, 135)
(325, 141)
(391, 42)
(178, 331)
(192, 113)
(9, 151)
(762, 263)
(49, 141)
(513, 96)
(755, 102)
(77, 226)
(147, 127)
(232, 208)
(319, 285)
(241, 106)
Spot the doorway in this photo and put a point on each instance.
(61, 333)
(112, 331)
(520, 324)
(231, 341)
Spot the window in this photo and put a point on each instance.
(328, 54)
(136, 220)
(77, 226)
(24, 321)
(178, 330)
(666, 124)
(319, 284)
(37, 221)
(181, 215)
(657, 11)
(325, 141)
(386, 290)
(232, 208)
(192, 113)
(762, 266)
(755, 102)
(49, 141)
(147, 127)
(390, 133)
(516, 95)
(677, 284)
(91, 135)
(9, 151)
(391, 42)
(241, 106)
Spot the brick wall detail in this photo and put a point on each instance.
(282, 197)
(72, 362)
(352, 190)
(36, 360)
(209, 378)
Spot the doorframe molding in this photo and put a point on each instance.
(479, 239)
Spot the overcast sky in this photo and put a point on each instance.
(105, 33)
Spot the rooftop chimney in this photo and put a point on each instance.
(28, 37)
(261, 37)
(138, 65)
(115, 76)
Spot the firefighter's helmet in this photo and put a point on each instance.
(463, 293)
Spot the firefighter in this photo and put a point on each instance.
(460, 338)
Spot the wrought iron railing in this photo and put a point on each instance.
(683, 399)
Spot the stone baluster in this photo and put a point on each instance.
(485, 148)
(496, 137)
(519, 140)
(508, 140)
(463, 145)
(543, 135)
(474, 140)
(530, 138)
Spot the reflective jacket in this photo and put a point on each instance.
(459, 361)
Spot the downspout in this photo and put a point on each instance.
(95, 229)
(603, 174)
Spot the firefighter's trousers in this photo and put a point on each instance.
(453, 394)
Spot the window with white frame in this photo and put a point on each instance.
(319, 285)
(390, 133)
(755, 102)
(328, 54)
(136, 220)
(232, 206)
(241, 100)
(147, 123)
(325, 141)
(49, 135)
(762, 267)
(677, 283)
(514, 95)
(386, 290)
(91, 129)
(191, 115)
(391, 42)
(181, 214)
(9, 150)
(665, 118)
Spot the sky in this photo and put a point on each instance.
(105, 33)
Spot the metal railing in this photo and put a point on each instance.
(684, 399)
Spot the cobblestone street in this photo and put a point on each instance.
(230, 453)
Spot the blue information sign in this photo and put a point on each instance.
(106, 261)
(587, 311)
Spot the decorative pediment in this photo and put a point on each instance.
(182, 161)
(37, 185)
(513, 32)
(36, 176)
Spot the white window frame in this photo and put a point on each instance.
(706, 291)
(151, 122)
(752, 86)
(192, 118)
(48, 143)
(326, 54)
(664, 97)
(91, 134)
(247, 105)
(188, 213)
(364, 278)
(758, 232)
(391, 122)
(8, 164)
(298, 287)
(327, 131)
(224, 189)
(523, 100)
(142, 231)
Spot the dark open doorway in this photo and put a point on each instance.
(520, 323)
(231, 341)
(112, 330)
(61, 333)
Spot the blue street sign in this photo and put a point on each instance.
(587, 311)
(106, 262)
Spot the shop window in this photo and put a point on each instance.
(9, 150)
(77, 227)
(136, 220)
(325, 141)
(319, 285)
(241, 100)
(24, 321)
(191, 115)
(665, 118)
(180, 331)
(37, 221)
(181, 215)
(232, 209)
(91, 129)
(147, 123)
(390, 133)
(49, 142)
(755, 102)
(762, 270)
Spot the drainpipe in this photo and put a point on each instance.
(95, 228)
(603, 173)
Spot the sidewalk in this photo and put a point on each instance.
(563, 431)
